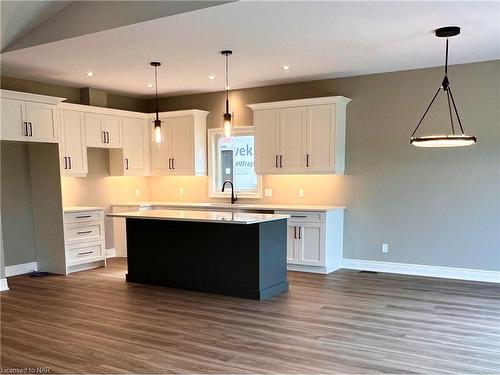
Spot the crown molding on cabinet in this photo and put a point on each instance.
(187, 112)
(103, 110)
(8, 94)
(301, 102)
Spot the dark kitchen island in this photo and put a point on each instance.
(232, 253)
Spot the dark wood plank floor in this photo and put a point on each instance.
(346, 322)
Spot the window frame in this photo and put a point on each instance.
(212, 160)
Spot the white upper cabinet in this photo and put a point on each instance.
(72, 148)
(183, 150)
(133, 160)
(267, 135)
(28, 117)
(103, 131)
(300, 136)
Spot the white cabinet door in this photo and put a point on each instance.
(14, 125)
(112, 127)
(292, 139)
(94, 129)
(73, 146)
(42, 121)
(320, 138)
(291, 256)
(135, 141)
(182, 145)
(266, 131)
(161, 154)
(310, 244)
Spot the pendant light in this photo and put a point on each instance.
(227, 117)
(157, 121)
(444, 140)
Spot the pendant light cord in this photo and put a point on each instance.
(227, 83)
(446, 59)
(156, 92)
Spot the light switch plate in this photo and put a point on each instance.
(137, 191)
(301, 193)
(268, 193)
(385, 248)
(181, 191)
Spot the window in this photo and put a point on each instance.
(233, 159)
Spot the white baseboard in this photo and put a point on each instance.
(423, 270)
(3, 284)
(110, 253)
(310, 269)
(19, 269)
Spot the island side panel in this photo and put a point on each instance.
(272, 258)
(209, 257)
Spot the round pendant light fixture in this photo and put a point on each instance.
(444, 140)
(157, 122)
(227, 117)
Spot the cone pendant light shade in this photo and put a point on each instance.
(444, 140)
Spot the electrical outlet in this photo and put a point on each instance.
(181, 191)
(301, 193)
(268, 193)
(137, 192)
(385, 248)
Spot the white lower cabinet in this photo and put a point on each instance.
(84, 238)
(315, 240)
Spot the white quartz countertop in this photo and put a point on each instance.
(236, 206)
(201, 216)
(81, 209)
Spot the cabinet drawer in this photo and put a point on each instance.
(83, 232)
(303, 216)
(84, 254)
(79, 217)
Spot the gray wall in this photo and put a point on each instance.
(432, 206)
(16, 205)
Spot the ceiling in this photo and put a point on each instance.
(316, 39)
(19, 18)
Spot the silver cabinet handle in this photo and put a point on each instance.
(65, 162)
(169, 164)
(300, 233)
(25, 129)
(70, 165)
(103, 137)
(85, 253)
(173, 166)
(295, 232)
(31, 129)
(299, 216)
(276, 161)
(109, 138)
(126, 163)
(281, 161)
(84, 232)
(307, 160)
(83, 216)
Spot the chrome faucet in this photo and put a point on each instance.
(234, 197)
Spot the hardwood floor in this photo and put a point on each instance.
(346, 322)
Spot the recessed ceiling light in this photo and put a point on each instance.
(211, 77)
(150, 85)
(285, 67)
(90, 74)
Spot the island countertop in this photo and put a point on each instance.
(201, 216)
